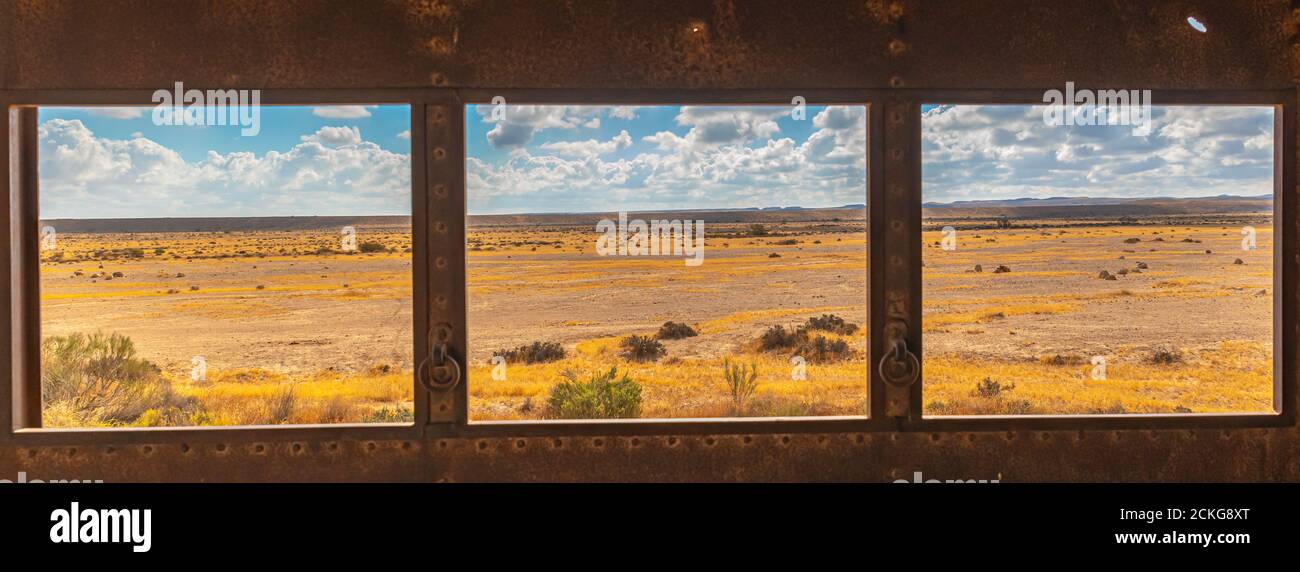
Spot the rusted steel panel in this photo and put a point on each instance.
(654, 44)
(1135, 456)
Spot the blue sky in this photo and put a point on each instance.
(115, 162)
(551, 158)
(988, 152)
(355, 160)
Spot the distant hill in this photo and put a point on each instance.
(222, 224)
(1098, 207)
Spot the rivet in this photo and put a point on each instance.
(439, 153)
(440, 190)
(520, 444)
(440, 226)
(896, 153)
(710, 441)
(895, 81)
(896, 46)
(598, 442)
(440, 263)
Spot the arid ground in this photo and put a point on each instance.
(280, 325)
(244, 327)
(1183, 324)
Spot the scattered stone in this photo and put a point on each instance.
(1001, 269)
(1238, 261)
(1142, 265)
(979, 268)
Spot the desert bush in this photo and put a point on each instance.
(1165, 357)
(642, 348)
(988, 388)
(799, 342)
(1062, 359)
(675, 331)
(98, 378)
(280, 407)
(603, 396)
(777, 338)
(757, 230)
(831, 323)
(368, 247)
(822, 349)
(741, 382)
(536, 352)
(396, 414)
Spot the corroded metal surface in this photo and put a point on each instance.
(1158, 456)
(146, 44)
(696, 44)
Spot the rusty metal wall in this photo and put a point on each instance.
(698, 44)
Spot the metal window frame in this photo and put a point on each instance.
(20, 387)
(439, 230)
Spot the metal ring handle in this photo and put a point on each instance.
(899, 367)
(440, 371)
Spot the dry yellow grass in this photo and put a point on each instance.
(1233, 377)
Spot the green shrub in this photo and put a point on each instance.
(675, 331)
(536, 352)
(97, 378)
(642, 348)
(600, 397)
(741, 382)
